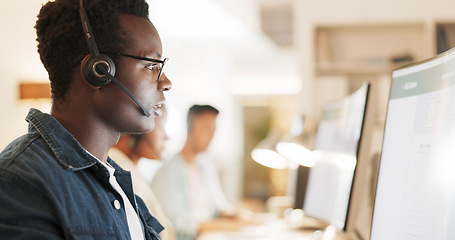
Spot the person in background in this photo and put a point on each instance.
(57, 181)
(188, 186)
(127, 153)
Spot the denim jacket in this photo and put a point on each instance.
(51, 188)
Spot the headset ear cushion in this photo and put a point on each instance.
(89, 69)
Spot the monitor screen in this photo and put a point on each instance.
(341, 123)
(415, 197)
(336, 145)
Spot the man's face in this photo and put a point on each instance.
(202, 130)
(114, 105)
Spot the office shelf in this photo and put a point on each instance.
(367, 49)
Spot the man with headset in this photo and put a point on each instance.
(57, 180)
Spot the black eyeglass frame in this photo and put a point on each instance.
(144, 59)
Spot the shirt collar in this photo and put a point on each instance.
(68, 151)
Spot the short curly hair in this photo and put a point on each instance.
(61, 41)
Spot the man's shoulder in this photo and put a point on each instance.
(28, 155)
(26, 163)
(15, 150)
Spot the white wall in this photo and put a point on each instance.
(19, 60)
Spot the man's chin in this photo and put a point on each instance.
(142, 130)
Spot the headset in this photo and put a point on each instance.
(99, 69)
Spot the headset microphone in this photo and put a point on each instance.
(99, 69)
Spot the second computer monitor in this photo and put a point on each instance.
(337, 140)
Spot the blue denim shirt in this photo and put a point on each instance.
(51, 188)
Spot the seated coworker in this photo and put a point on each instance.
(57, 181)
(187, 186)
(127, 153)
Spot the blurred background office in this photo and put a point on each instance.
(263, 63)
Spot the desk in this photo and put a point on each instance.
(257, 234)
(275, 229)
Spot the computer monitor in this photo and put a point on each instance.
(360, 213)
(415, 197)
(336, 144)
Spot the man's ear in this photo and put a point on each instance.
(92, 70)
(81, 72)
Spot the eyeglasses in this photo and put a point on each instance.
(160, 67)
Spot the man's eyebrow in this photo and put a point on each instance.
(153, 54)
